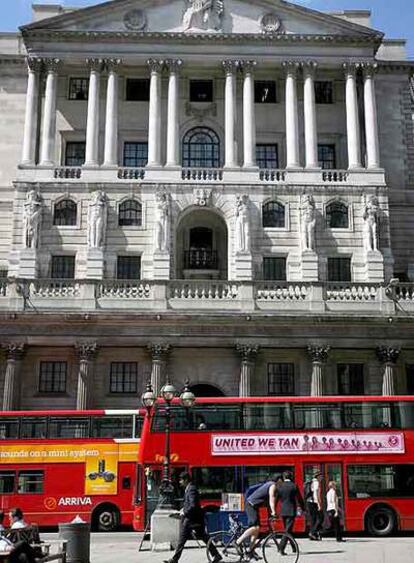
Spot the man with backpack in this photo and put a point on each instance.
(313, 499)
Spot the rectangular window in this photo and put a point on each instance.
(201, 90)
(137, 89)
(78, 88)
(75, 153)
(30, 482)
(371, 481)
(63, 267)
(113, 427)
(350, 379)
(128, 268)
(323, 92)
(33, 427)
(135, 154)
(52, 377)
(327, 157)
(7, 482)
(213, 481)
(3, 273)
(274, 268)
(281, 379)
(409, 370)
(9, 428)
(123, 377)
(76, 427)
(339, 269)
(258, 474)
(267, 156)
(265, 92)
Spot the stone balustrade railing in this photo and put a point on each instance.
(125, 289)
(202, 174)
(335, 176)
(131, 173)
(272, 175)
(68, 173)
(351, 292)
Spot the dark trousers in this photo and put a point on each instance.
(335, 524)
(315, 518)
(288, 522)
(22, 553)
(186, 533)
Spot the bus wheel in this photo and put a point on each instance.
(381, 521)
(106, 518)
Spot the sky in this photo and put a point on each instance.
(394, 17)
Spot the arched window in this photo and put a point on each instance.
(65, 213)
(273, 215)
(337, 215)
(201, 148)
(130, 213)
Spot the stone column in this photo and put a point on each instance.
(249, 118)
(248, 354)
(159, 356)
(318, 356)
(154, 120)
(352, 116)
(292, 124)
(92, 125)
(32, 111)
(371, 118)
(86, 352)
(11, 392)
(48, 140)
(173, 131)
(311, 133)
(230, 68)
(388, 356)
(112, 114)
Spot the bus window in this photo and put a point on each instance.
(7, 482)
(77, 427)
(9, 428)
(309, 416)
(261, 474)
(380, 481)
(139, 421)
(200, 417)
(112, 427)
(30, 481)
(405, 414)
(267, 416)
(213, 481)
(368, 415)
(31, 427)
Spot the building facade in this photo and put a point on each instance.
(220, 190)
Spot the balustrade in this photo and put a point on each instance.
(272, 175)
(124, 290)
(131, 173)
(351, 292)
(281, 292)
(68, 173)
(49, 289)
(206, 174)
(201, 290)
(335, 175)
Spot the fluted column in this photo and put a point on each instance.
(92, 125)
(371, 118)
(112, 113)
(159, 357)
(11, 392)
(249, 118)
(352, 117)
(311, 131)
(318, 356)
(32, 110)
(388, 356)
(248, 354)
(86, 352)
(230, 68)
(48, 140)
(154, 119)
(173, 132)
(292, 123)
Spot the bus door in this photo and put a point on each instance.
(330, 472)
(153, 479)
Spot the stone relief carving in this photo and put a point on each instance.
(308, 222)
(242, 228)
(371, 224)
(200, 113)
(203, 15)
(202, 197)
(135, 20)
(270, 23)
(32, 218)
(162, 221)
(97, 219)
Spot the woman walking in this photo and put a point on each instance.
(332, 510)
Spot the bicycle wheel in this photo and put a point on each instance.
(225, 543)
(272, 548)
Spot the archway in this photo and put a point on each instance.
(206, 390)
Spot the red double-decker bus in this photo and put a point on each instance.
(55, 465)
(364, 444)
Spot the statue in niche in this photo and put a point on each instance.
(370, 231)
(32, 217)
(203, 15)
(97, 219)
(308, 222)
(242, 235)
(162, 221)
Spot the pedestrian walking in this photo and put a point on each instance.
(289, 497)
(333, 511)
(313, 497)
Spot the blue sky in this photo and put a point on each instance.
(394, 17)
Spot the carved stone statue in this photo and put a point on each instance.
(242, 234)
(97, 219)
(371, 224)
(308, 222)
(162, 221)
(203, 15)
(32, 217)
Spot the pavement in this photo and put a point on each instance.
(122, 547)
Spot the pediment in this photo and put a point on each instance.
(195, 16)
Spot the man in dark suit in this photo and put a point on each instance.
(192, 518)
(289, 497)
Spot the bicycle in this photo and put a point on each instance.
(225, 543)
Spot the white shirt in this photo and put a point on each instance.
(332, 501)
(315, 490)
(19, 524)
(5, 544)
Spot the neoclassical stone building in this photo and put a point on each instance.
(221, 189)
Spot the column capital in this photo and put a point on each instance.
(95, 65)
(159, 351)
(113, 65)
(248, 352)
(351, 68)
(247, 67)
(14, 350)
(155, 65)
(86, 350)
(388, 354)
(369, 69)
(309, 68)
(52, 65)
(230, 66)
(318, 354)
(35, 64)
(173, 65)
(291, 67)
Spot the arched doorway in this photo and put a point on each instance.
(206, 390)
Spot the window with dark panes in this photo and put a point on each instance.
(350, 379)
(273, 215)
(274, 268)
(337, 215)
(267, 416)
(267, 156)
(327, 157)
(375, 481)
(130, 213)
(75, 153)
(78, 88)
(280, 379)
(201, 148)
(3, 273)
(409, 370)
(260, 474)
(265, 92)
(323, 92)
(137, 89)
(135, 154)
(339, 269)
(30, 481)
(7, 482)
(9, 428)
(201, 90)
(213, 481)
(52, 377)
(67, 427)
(65, 213)
(123, 377)
(112, 427)
(63, 267)
(128, 268)
(33, 427)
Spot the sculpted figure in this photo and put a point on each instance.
(203, 15)
(32, 217)
(371, 224)
(162, 221)
(97, 219)
(242, 235)
(308, 222)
